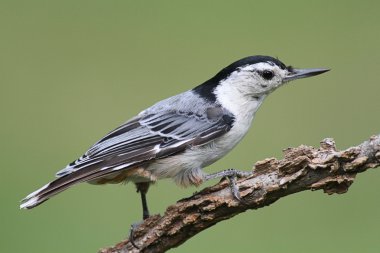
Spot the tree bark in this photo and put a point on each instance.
(302, 168)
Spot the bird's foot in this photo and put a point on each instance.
(131, 233)
(231, 175)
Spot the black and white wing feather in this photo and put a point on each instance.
(144, 138)
(153, 136)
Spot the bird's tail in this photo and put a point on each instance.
(60, 184)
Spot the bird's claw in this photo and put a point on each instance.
(231, 175)
(131, 234)
(234, 188)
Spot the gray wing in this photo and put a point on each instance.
(156, 133)
(153, 136)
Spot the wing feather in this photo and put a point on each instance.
(155, 134)
(146, 137)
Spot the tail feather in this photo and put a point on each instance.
(31, 200)
(60, 184)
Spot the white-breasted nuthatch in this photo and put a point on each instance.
(179, 136)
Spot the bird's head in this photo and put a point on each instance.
(252, 77)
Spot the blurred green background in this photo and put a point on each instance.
(70, 71)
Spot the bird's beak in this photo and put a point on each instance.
(302, 73)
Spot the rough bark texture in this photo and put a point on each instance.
(302, 168)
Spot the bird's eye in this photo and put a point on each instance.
(267, 74)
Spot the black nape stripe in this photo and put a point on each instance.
(206, 90)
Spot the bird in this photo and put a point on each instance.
(179, 136)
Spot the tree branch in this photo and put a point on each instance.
(302, 168)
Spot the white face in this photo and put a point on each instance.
(257, 79)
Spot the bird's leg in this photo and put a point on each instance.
(231, 174)
(143, 189)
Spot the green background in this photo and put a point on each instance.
(70, 71)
